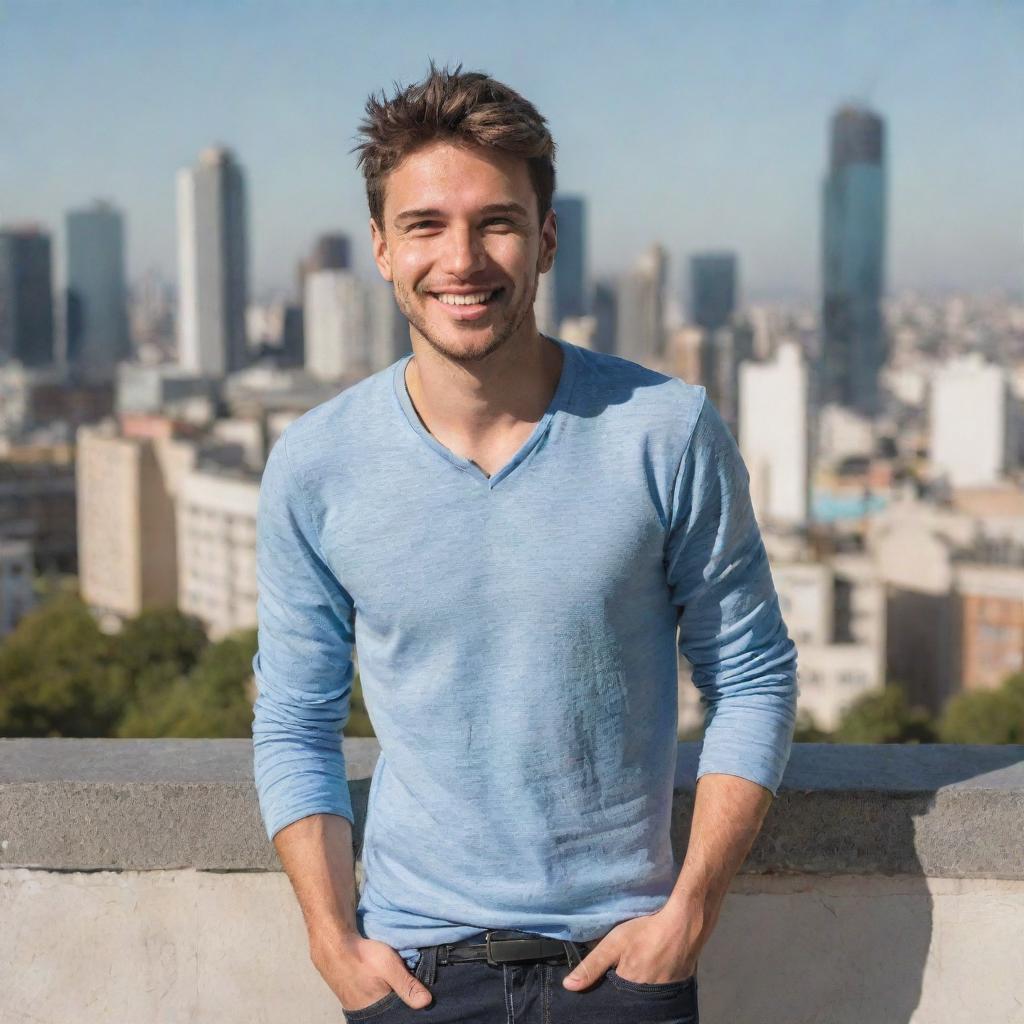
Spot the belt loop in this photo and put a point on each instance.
(572, 954)
(428, 974)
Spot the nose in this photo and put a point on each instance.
(463, 251)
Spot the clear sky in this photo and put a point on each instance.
(697, 124)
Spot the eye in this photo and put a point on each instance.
(499, 220)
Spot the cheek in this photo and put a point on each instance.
(410, 263)
(511, 252)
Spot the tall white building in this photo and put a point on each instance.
(389, 330)
(774, 436)
(835, 613)
(217, 550)
(126, 485)
(336, 324)
(544, 310)
(972, 422)
(640, 318)
(212, 265)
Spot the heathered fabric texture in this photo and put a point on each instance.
(516, 644)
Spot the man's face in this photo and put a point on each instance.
(462, 221)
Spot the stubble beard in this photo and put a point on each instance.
(507, 329)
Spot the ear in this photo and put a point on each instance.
(548, 242)
(381, 256)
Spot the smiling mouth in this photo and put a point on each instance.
(474, 301)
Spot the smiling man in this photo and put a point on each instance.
(518, 535)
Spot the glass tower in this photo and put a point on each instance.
(97, 315)
(853, 339)
(570, 269)
(712, 289)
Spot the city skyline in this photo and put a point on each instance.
(738, 166)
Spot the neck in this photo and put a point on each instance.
(474, 399)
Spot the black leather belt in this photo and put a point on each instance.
(502, 946)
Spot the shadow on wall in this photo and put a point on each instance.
(831, 919)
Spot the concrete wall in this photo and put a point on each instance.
(137, 884)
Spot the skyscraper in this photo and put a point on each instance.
(336, 324)
(774, 437)
(640, 314)
(605, 304)
(96, 309)
(853, 342)
(388, 329)
(570, 269)
(26, 296)
(544, 304)
(331, 251)
(725, 351)
(712, 289)
(213, 265)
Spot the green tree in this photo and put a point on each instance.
(986, 716)
(58, 673)
(210, 701)
(885, 717)
(157, 648)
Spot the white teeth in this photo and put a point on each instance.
(464, 300)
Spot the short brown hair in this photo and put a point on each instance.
(462, 107)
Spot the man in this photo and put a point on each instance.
(511, 529)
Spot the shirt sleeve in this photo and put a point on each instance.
(730, 624)
(303, 663)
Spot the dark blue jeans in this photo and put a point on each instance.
(531, 993)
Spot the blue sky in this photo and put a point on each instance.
(697, 124)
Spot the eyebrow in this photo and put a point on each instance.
(513, 208)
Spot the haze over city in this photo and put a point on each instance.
(716, 138)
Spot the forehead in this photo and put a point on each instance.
(456, 177)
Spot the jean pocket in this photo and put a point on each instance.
(373, 1009)
(387, 1001)
(651, 987)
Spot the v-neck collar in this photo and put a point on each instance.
(558, 401)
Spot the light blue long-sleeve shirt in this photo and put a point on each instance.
(516, 638)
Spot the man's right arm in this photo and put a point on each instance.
(304, 672)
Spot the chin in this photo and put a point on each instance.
(468, 345)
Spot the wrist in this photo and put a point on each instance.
(689, 904)
(685, 904)
(332, 932)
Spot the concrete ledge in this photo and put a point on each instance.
(938, 810)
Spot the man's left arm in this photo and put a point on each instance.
(744, 664)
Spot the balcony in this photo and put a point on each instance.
(137, 885)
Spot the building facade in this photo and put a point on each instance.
(96, 309)
(570, 269)
(774, 436)
(337, 325)
(712, 289)
(853, 256)
(217, 549)
(213, 267)
(26, 297)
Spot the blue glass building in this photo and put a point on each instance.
(853, 336)
(712, 289)
(26, 297)
(96, 298)
(570, 269)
